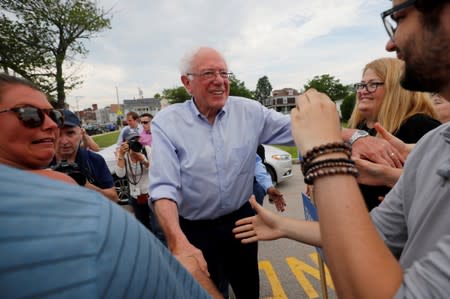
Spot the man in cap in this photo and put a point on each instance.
(86, 167)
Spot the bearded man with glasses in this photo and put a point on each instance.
(402, 248)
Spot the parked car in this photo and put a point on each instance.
(278, 164)
(93, 130)
(121, 184)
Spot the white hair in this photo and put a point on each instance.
(188, 59)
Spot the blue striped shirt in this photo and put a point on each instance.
(64, 241)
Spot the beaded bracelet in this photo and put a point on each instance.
(333, 147)
(326, 171)
(327, 163)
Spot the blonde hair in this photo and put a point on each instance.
(398, 103)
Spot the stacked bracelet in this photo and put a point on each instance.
(334, 147)
(326, 171)
(328, 163)
(312, 170)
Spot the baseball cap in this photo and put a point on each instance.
(130, 134)
(70, 119)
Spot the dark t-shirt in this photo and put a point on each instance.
(409, 132)
(94, 167)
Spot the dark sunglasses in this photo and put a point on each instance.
(145, 122)
(33, 117)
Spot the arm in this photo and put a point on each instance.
(361, 266)
(265, 180)
(166, 211)
(110, 193)
(89, 142)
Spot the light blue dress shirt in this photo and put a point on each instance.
(262, 176)
(208, 169)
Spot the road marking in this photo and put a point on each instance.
(298, 268)
(277, 289)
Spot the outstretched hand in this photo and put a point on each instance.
(263, 226)
(276, 197)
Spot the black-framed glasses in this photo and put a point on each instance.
(33, 117)
(369, 86)
(389, 18)
(211, 74)
(145, 122)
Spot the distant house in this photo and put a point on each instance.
(282, 100)
(144, 105)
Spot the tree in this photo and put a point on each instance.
(347, 106)
(39, 40)
(237, 88)
(176, 95)
(263, 89)
(329, 85)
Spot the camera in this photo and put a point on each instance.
(135, 145)
(72, 170)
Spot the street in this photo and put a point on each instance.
(289, 269)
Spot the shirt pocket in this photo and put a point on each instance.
(239, 160)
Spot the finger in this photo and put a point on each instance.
(249, 240)
(243, 221)
(246, 234)
(382, 131)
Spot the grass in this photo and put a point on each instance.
(290, 149)
(106, 139)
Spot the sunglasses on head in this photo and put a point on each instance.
(33, 117)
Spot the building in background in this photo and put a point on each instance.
(282, 100)
(143, 105)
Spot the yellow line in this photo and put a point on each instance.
(277, 289)
(298, 267)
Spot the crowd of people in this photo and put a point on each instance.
(191, 174)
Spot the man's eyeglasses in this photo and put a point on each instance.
(211, 74)
(33, 117)
(389, 18)
(145, 122)
(370, 86)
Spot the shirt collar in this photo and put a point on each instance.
(196, 112)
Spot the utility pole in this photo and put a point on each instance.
(117, 95)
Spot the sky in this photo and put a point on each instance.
(289, 41)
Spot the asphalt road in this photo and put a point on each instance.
(289, 269)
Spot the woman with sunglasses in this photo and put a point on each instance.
(29, 127)
(380, 98)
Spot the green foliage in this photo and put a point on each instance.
(107, 139)
(329, 85)
(176, 95)
(263, 89)
(237, 88)
(157, 96)
(347, 106)
(38, 37)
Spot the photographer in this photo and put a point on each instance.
(133, 162)
(86, 167)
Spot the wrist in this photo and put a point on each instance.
(357, 135)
